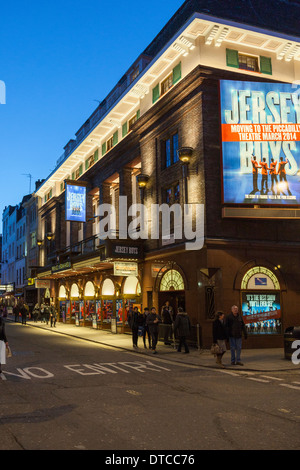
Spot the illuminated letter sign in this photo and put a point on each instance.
(260, 142)
(75, 203)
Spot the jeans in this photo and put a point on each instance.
(235, 348)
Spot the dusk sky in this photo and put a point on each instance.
(56, 59)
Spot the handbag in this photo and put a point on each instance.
(215, 349)
(8, 351)
(141, 330)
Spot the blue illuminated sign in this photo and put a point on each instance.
(260, 142)
(75, 203)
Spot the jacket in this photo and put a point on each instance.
(150, 321)
(2, 331)
(235, 326)
(182, 324)
(219, 330)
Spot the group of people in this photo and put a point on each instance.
(230, 328)
(147, 325)
(43, 313)
(273, 172)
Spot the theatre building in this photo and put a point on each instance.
(207, 117)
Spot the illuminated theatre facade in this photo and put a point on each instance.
(182, 126)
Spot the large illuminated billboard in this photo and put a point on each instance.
(260, 142)
(75, 202)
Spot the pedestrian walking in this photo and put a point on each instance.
(134, 322)
(182, 325)
(36, 313)
(52, 316)
(235, 328)
(46, 313)
(16, 311)
(220, 336)
(167, 320)
(23, 311)
(153, 320)
(3, 344)
(146, 328)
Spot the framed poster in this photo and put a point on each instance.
(260, 129)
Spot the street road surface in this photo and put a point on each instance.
(62, 393)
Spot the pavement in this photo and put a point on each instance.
(261, 360)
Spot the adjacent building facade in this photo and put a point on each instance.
(181, 128)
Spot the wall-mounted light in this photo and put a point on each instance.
(185, 155)
(142, 181)
(49, 236)
(39, 242)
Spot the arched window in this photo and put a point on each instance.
(89, 290)
(62, 292)
(74, 291)
(260, 278)
(108, 287)
(132, 286)
(172, 280)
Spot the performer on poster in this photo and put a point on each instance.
(264, 176)
(273, 174)
(255, 167)
(282, 173)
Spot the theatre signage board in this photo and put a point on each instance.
(75, 202)
(262, 312)
(260, 132)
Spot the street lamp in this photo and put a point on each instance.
(185, 155)
(142, 181)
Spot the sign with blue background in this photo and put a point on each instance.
(75, 203)
(260, 142)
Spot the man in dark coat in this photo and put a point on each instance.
(183, 326)
(135, 319)
(153, 320)
(235, 327)
(167, 319)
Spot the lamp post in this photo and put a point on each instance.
(142, 181)
(185, 155)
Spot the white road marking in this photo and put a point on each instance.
(290, 386)
(258, 380)
(271, 378)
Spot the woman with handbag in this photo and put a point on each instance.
(3, 345)
(219, 337)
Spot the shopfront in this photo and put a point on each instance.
(76, 306)
(89, 305)
(63, 305)
(131, 297)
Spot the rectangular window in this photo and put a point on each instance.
(166, 84)
(247, 62)
(110, 144)
(170, 151)
(132, 121)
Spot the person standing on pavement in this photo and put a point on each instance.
(167, 319)
(23, 311)
(153, 320)
(133, 322)
(183, 326)
(220, 335)
(16, 311)
(235, 328)
(146, 328)
(3, 344)
(52, 316)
